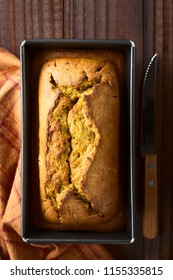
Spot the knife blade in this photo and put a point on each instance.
(148, 151)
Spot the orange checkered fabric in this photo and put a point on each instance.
(11, 245)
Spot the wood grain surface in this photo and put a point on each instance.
(149, 23)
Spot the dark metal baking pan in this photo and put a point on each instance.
(29, 51)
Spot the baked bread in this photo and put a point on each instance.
(79, 121)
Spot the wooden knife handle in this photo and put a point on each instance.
(150, 218)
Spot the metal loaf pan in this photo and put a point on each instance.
(31, 50)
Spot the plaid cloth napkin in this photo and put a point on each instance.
(11, 244)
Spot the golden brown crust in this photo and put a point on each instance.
(79, 108)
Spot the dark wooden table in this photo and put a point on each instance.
(149, 23)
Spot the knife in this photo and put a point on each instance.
(148, 151)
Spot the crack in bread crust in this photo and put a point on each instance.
(72, 141)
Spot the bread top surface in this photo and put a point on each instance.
(79, 108)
